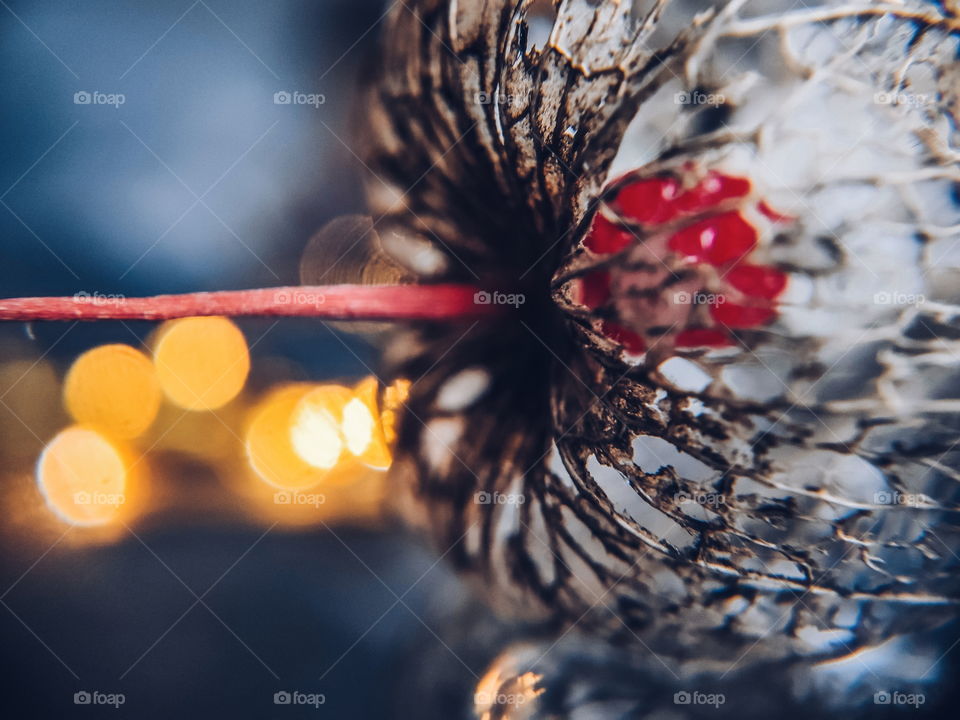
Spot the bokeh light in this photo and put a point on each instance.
(313, 452)
(393, 398)
(30, 411)
(202, 362)
(363, 427)
(316, 426)
(83, 476)
(303, 435)
(115, 389)
(269, 445)
(503, 686)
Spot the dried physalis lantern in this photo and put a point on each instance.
(721, 427)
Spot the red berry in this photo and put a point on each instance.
(757, 280)
(631, 341)
(650, 202)
(716, 240)
(713, 190)
(605, 237)
(595, 289)
(702, 337)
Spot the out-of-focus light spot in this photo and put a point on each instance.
(269, 445)
(115, 389)
(393, 398)
(31, 409)
(316, 432)
(315, 429)
(364, 428)
(358, 426)
(202, 362)
(83, 477)
(503, 685)
(395, 395)
(303, 435)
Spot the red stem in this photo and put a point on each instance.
(331, 302)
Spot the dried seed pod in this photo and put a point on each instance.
(722, 424)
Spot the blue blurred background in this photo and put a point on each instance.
(198, 180)
(143, 152)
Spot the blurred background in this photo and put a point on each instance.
(150, 148)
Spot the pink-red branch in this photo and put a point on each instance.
(330, 302)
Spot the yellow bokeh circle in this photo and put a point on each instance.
(316, 426)
(268, 443)
(364, 427)
(202, 362)
(83, 477)
(113, 388)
